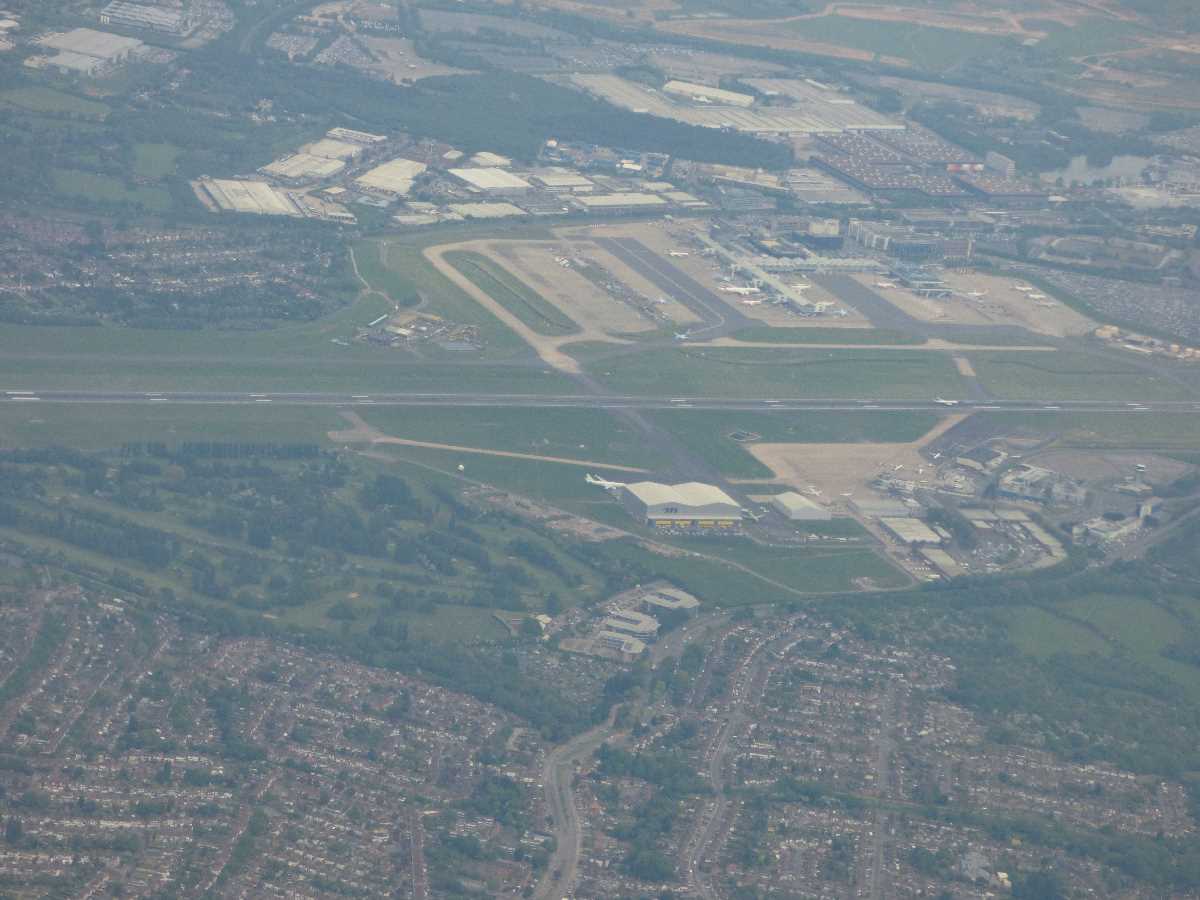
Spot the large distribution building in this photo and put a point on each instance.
(689, 505)
(799, 508)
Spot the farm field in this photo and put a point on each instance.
(709, 434)
(49, 101)
(154, 161)
(109, 190)
(785, 373)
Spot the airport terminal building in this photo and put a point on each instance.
(688, 505)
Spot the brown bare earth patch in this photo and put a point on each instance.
(830, 471)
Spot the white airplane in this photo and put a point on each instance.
(884, 284)
(600, 482)
(975, 294)
(937, 455)
(682, 335)
(944, 402)
(740, 291)
(678, 254)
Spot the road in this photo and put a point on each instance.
(559, 769)
(586, 400)
(746, 685)
(557, 774)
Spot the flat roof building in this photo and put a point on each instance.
(912, 532)
(799, 508)
(358, 137)
(689, 505)
(703, 93)
(139, 15)
(492, 180)
(632, 622)
(90, 42)
(622, 201)
(250, 197)
(331, 148)
(622, 643)
(670, 598)
(303, 167)
(394, 177)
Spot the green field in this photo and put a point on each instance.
(1141, 629)
(568, 433)
(723, 372)
(925, 46)
(1042, 634)
(790, 576)
(99, 426)
(708, 433)
(1070, 376)
(154, 161)
(240, 374)
(817, 335)
(47, 100)
(1082, 38)
(109, 190)
(511, 293)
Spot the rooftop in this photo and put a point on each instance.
(691, 493)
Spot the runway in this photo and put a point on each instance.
(587, 401)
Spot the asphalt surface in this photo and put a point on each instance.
(718, 318)
(587, 401)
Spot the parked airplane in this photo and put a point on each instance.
(945, 402)
(678, 253)
(740, 291)
(600, 482)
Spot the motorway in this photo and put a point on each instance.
(590, 401)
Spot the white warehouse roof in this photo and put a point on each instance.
(691, 493)
(491, 179)
(797, 506)
(395, 176)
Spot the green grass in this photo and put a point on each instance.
(1042, 635)
(515, 296)
(1142, 630)
(707, 432)
(154, 161)
(721, 584)
(47, 100)
(108, 190)
(379, 278)
(1070, 376)
(724, 372)
(569, 433)
(291, 375)
(1083, 38)
(924, 46)
(103, 426)
(819, 335)
(443, 297)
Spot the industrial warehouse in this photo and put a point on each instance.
(688, 505)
